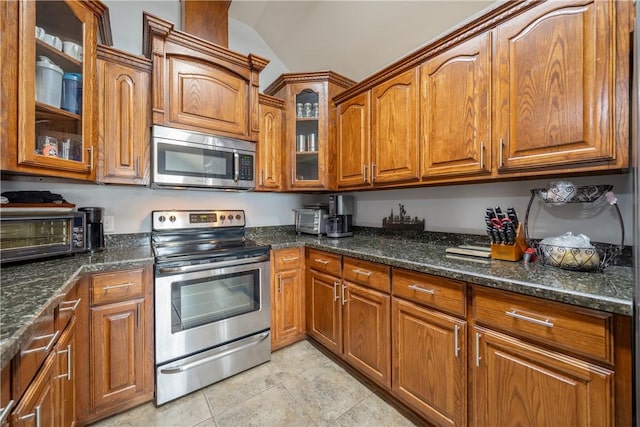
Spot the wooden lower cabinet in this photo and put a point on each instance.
(429, 361)
(38, 404)
(117, 350)
(324, 311)
(521, 384)
(350, 320)
(65, 377)
(116, 358)
(287, 297)
(366, 331)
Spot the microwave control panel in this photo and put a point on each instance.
(246, 167)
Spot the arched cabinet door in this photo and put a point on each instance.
(554, 83)
(394, 129)
(456, 113)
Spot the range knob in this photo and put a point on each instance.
(162, 218)
(172, 218)
(238, 217)
(222, 217)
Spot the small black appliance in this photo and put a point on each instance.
(95, 228)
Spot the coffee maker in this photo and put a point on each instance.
(95, 229)
(340, 221)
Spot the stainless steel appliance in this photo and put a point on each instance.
(212, 300)
(340, 222)
(181, 158)
(95, 229)
(41, 235)
(312, 220)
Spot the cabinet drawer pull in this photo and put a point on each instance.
(291, 258)
(478, 349)
(482, 155)
(279, 283)
(456, 347)
(124, 285)
(69, 364)
(373, 168)
(262, 177)
(137, 166)
(364, 172)
(363, 272)
(516, 315)
(72, 308)
(501, 148)
(4, 412)
(46, 348)
(321, 261)
(35, 414)
(420, 289)
(335, 290)
(343, 289)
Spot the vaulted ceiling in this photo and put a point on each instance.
(353, 38)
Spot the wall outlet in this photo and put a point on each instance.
(109, 224)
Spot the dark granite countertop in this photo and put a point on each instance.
(610, 291)
(28, 291)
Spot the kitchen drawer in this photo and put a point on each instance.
(433, 291)
(33, 353)
(367, 273)
(67, 308)
(117, 286)
(287, 259)
(579, 330)
(324, 261)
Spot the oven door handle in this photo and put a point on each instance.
(199, 362)
(211, 265)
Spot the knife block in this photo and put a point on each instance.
(510, 252)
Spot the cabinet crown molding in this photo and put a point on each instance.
(318, 76)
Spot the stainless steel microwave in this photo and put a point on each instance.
(41, 235)
(182, 158)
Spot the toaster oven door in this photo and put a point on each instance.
(27, 238)
(308, 221)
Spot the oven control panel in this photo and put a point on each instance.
(180, 219)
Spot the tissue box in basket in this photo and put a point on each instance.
(568, 258)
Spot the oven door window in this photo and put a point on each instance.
(202, 301)
(178, 160)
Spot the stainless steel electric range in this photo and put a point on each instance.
(212, 302)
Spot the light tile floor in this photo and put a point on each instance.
(299, 387)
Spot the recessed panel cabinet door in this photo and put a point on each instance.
(430, 362)
(324, 312)
(394, 129)
(353, 142)
(519, 384)
(455, 117)
(206, 96)
(555, 97)
(124, 123)
(116, 351)
(269, 148)
(367, 331)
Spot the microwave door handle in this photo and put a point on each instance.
(236, 166)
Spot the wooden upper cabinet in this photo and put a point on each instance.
(395, 151)
(199, 85)
(124, 117)
(555, 97)
(309, 144)
(353, 140)
(270, 145)
(456, 115)
(45, 132)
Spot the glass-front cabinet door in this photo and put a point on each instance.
(306, 165)
(57, 78)
(309, 147)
